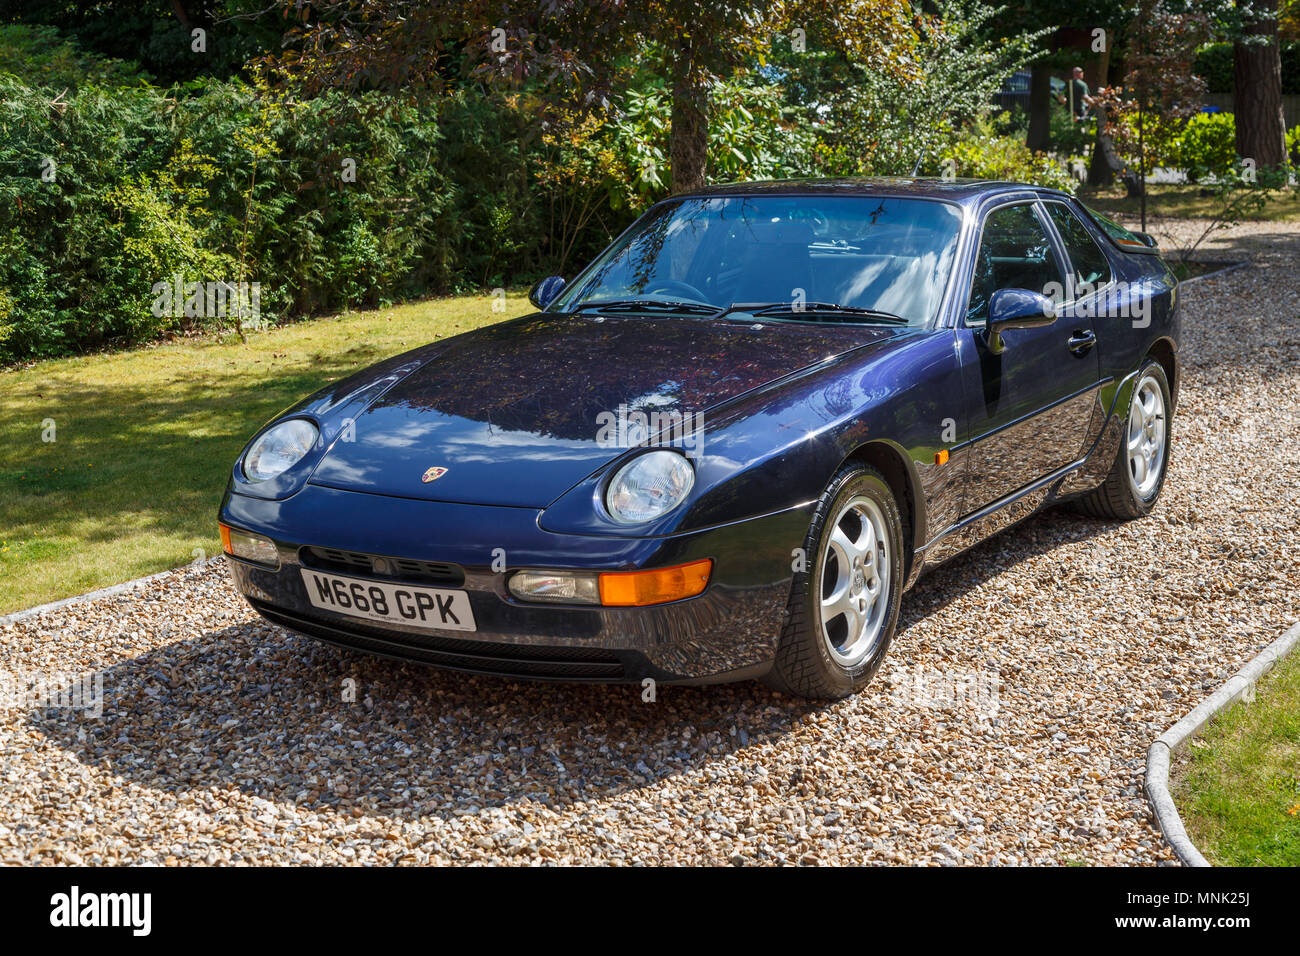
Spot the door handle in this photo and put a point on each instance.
(1081, 341)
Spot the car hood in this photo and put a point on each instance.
(511, 414)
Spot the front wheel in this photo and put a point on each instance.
(1138, 473)
(844, 604)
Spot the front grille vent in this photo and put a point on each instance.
(434, 573)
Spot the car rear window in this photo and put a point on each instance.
(1122, 237)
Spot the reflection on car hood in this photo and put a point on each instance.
(513, 412)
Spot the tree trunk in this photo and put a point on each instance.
(1133, 184)
(1040, 108)
(1257, 100)
(688, 137)
(1097, 74)
(1099, 171)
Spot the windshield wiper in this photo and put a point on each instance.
(813, 308)
(632, 305)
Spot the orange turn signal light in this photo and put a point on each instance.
(657, 586)
(225, 539)
(941, 457)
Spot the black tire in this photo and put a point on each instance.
(805, 665)
(1118, 497)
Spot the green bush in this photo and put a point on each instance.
(984, 154)
(60, 162)
(328, 203)
(1208, 145)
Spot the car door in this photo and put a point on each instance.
(1030, 404)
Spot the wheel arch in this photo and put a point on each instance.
(1164, 352)
(895, 467)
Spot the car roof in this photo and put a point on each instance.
(953, 190)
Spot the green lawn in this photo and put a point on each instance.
(1185, 202)
(144, 440)
(1239, 793)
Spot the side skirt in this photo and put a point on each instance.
(1067, 482)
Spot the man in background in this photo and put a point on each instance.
(1078, 97)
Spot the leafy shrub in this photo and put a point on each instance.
(30, 322)
(328, 203)
(984, 154)
(63, 158)
(1208, 145)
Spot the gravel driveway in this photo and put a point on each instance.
(1009, 724)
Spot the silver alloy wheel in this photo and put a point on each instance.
(854, 592)
(1146, 436)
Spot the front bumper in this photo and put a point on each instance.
(730, 632)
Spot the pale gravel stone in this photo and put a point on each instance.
(226, 741)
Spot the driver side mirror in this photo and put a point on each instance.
(1016, 309)
(545, 292)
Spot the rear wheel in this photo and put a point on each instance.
(1138, 473)
(844, 605)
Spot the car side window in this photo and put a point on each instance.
(1015, 252)
(1090, 268)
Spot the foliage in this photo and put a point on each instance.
(350, 198)
(41, 56)
(984, 154)
(1240, 192)
(1145, 117)
(218, 182)
(575, 56)
(869, 123)
(1214, 63)
(60, 158)
(157, 34)
(1071, 137)
(1208, 145)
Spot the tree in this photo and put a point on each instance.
(1257, 77)
(1052, 15)
(575, 52)
(1143, 118)
(1252, 27)
(869, 123)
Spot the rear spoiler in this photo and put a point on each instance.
(1142, 243)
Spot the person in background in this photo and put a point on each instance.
(1076, 96)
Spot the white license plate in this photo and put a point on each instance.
(395, 603)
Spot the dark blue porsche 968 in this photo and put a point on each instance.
(730, 445)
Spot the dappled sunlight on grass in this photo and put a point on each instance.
(1239, 793)
(144, 440)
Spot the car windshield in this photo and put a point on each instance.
(861, 259)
